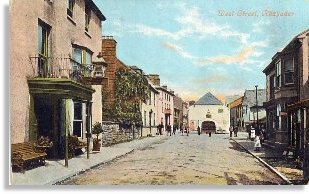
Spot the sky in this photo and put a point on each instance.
(196, 50)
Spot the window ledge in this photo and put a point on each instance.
(71, 20)
(87, 33)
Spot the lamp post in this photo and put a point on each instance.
(257, 109)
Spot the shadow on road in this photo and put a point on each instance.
(235, 146)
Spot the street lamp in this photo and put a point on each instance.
(257, 109)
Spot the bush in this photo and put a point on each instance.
(97, 129)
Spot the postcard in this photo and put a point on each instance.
(178, 92)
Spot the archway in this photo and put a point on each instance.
(208, 126)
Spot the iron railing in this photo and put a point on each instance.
(60, 67)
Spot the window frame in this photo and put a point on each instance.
(289, 71)
(70, 8)
(78, 120)
(87, 17)
(278, 74)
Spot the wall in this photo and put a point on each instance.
(24, 17)
(148, 107)
(197, 114)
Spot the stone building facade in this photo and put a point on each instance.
(54, 46)
(209, 111)
(149, 110)
(165, 109)
(178, 111)
(286, 82)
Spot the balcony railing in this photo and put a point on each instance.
(60, 67)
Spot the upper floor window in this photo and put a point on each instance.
(220, 110)
(87, 17)
(289, 71)
(83, 59)
(43, 43)
(272, 86)
(278, 74)
(43, 49)
(70, 8)
(150, 98)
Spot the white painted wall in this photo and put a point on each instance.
(197, 114)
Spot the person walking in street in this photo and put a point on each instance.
(181, 128)
(169, 129)
(257, 143)
(174, 129)
(198, 130)
(235, 131)
(187, 131)
(231, 131)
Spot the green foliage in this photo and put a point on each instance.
(97, 129)
(131, 89)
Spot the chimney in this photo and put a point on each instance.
(108, 47)
(154, 79)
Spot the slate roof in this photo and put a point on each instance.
(208, 99)
(230, 99)
(249, 97)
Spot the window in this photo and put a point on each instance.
(220, 110)
(87, 17)
(43, 48)
(149, 118)
(162, 107)
(289, 72)
(150, 98)
(70, 9)
(154, 119)
(145, 118)
(78, 120)
(154, 99)
(289, 78)
(83, 58)
(278, 74)
(272, 86)
(208, 115)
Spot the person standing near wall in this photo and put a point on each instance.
(198, 130)
(231, 131)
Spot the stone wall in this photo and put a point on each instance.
(113, 134)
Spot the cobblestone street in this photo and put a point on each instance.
(183, 159)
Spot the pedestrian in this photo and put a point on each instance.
(257, 143)
(263, 134)
(235, 131)
(198, 130)
(187, 131)
(181, 128)
(174, 129)
(209, 134)
(231, 131)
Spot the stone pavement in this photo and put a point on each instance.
(54, 171)
(284, 167)
(242, 138)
